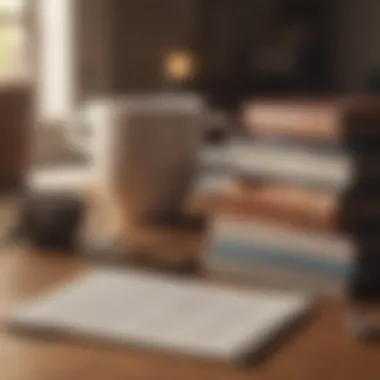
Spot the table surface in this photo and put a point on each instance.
(322, 349)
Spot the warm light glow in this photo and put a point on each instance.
(179, 66)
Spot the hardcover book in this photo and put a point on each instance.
(336, 170)
(264, 276)
(341, 120)
(315, 209)
(276, 239)
(276, 255)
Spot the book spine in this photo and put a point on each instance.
(316, 124)
(265, 276)
(259, 234)
(293, 121)
(219, 203)
(306, 205)
(291, 166)
(212, 183)
(243, 252)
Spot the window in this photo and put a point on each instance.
(55, 51)
(12, 39)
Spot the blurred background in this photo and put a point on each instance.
(72, 50)
(291, 198)
(67, 52)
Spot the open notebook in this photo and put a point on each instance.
(127, 307)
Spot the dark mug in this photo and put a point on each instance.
(51, 221)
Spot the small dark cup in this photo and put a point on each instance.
(50, 221)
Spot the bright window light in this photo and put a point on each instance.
(55, 59)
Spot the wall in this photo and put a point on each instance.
(92, 60)
(72, 56)
(227, 25)
(108, 46)
(15, 132)
(143, 31)
(357, 42)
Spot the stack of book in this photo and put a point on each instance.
(296, 204)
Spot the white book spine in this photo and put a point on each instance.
(292, 164)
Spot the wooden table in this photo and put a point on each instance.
(324, 349)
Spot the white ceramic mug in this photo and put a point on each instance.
(142, 149)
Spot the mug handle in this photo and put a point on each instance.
(78, 132)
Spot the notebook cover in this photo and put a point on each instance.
(158, 312)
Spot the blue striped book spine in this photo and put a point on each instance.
(244, 252)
